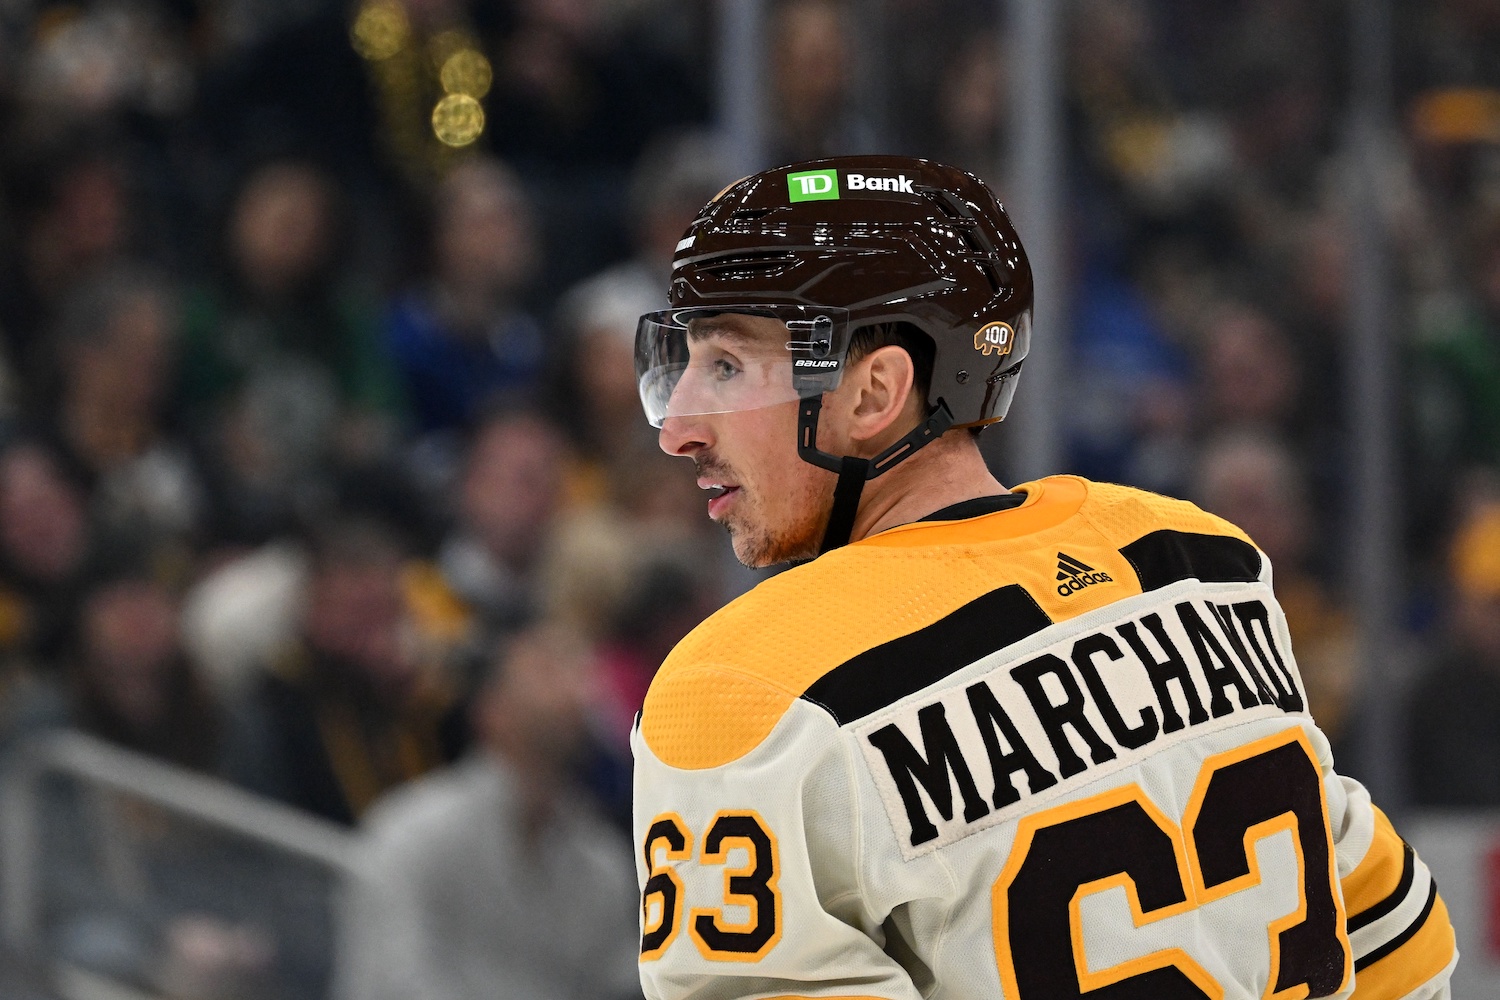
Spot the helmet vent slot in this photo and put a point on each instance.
(981, 250)
(991, 266)
(749, 265)
(946, 203)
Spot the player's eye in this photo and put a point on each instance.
(724, 369)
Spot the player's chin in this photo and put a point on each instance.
(749, 550)
(761, 550)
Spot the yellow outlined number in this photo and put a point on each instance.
(753, 887)
(1120, 838)
(670, 832)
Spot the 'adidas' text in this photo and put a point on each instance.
(1075, 575)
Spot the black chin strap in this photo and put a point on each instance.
(852, 475)
(854, 472)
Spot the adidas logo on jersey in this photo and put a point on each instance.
(1075, 575)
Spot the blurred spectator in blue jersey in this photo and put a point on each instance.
(494, 878)
(1132, 419)
(1453, 741)
(464, 338)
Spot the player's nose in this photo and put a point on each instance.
(683, 435)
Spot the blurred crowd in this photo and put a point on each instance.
(322, 469)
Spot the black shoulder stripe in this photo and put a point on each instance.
(889, 672)
(1397, 896)
(1165, 557)
(1365, 961)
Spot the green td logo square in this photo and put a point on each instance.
(813, 185)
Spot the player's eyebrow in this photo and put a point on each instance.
(713, 326)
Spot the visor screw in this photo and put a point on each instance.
(963, 377)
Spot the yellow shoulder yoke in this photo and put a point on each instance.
(727, 685)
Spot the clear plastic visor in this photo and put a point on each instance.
(732, 358)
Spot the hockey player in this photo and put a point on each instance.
(1036, 743)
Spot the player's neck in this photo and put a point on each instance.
(944, 473)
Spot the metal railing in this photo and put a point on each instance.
(185, 793)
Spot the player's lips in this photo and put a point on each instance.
(724, 494)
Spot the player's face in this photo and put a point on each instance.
(773, 504)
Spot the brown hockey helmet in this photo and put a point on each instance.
(884, 239)
(829, 247)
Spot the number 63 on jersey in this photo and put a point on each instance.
(1063, 862)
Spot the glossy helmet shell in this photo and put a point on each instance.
(892, 238)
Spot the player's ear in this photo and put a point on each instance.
(884, 381)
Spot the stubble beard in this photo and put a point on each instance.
(759, 544)
(757, 541)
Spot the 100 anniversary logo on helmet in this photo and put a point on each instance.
(995, 338)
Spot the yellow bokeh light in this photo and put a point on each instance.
(457, 120)
(380, 30)
(467, 71)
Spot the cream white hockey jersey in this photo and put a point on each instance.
(1060, 750)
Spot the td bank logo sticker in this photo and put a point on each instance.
(995, 338)
(813, 185)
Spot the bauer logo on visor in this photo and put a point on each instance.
(726, 359)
